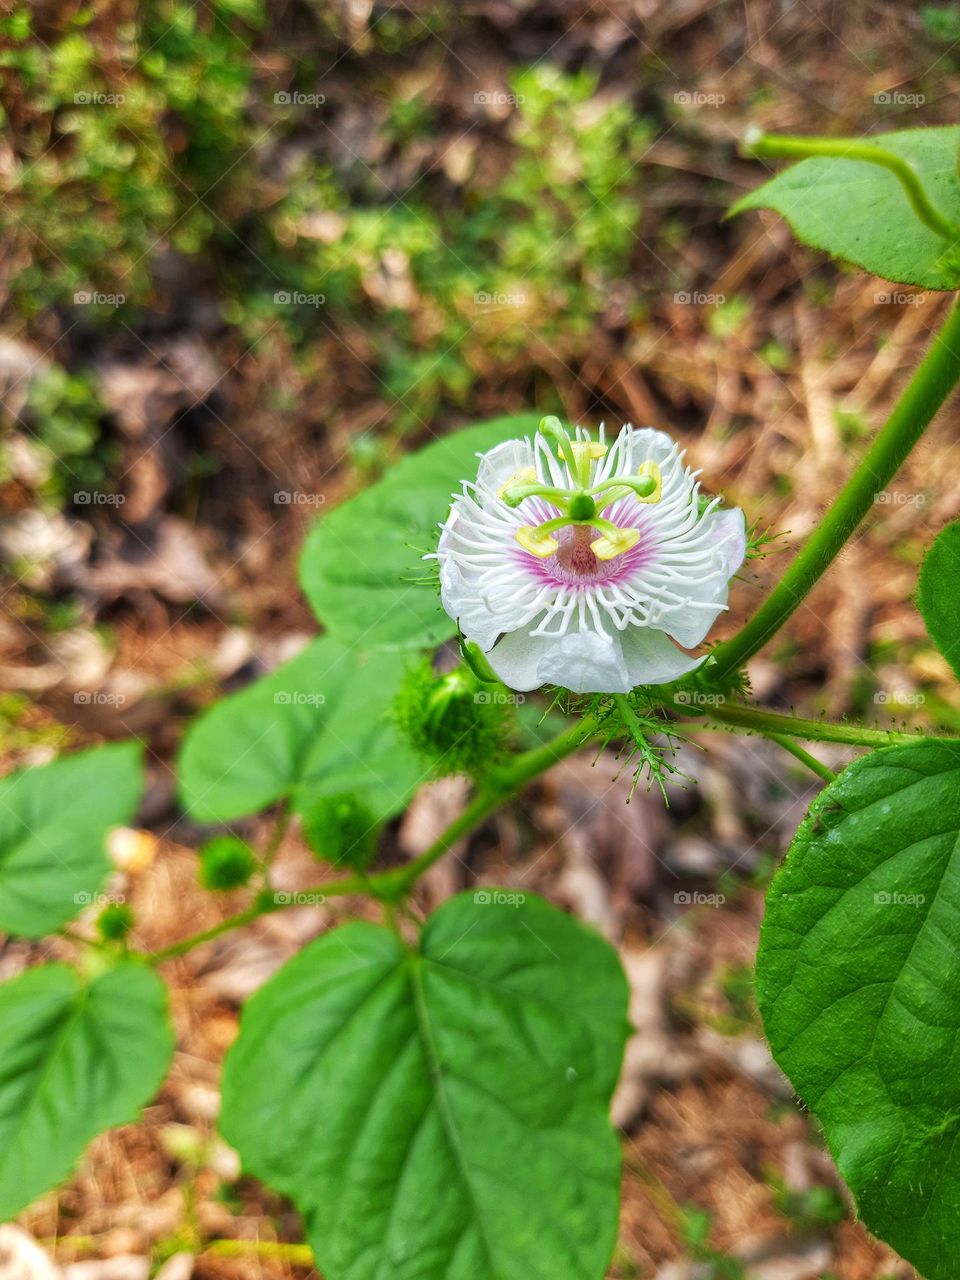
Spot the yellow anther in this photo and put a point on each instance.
(651, 469)
(527, 476)
(537, 543)
(609, 545)
(585, 448)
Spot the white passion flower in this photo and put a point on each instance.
(572, 563)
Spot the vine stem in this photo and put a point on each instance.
(774, 146)
(929, 387)
(776, 724)
(812, 763)
(390, 886)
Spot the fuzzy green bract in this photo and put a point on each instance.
(54, 821)
(74, 1059)
(858, 982)
(362, 566)
(440, 1113)
(939, 594)
(858, 212)
(318, 725)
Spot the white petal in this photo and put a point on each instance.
(652, 659)
(708, 596)
(465, 607)
(581, 661)
(502, 462)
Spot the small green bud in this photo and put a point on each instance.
(226, 862)
(342, 829)
(115, 921)
(456, 722)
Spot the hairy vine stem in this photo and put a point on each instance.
(927, 390)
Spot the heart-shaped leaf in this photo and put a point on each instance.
(74, 1060)
(939, 594)
(858, 212)
(54, 821)
(440, 1113)
(858, 982)
(318, 725)
(362, 566)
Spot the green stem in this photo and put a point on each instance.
(390, 886)
(770, 723)
(929, 387)
(805, 758)
(772, 146)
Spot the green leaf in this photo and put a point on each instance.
(858, 982)
(54, 821)
(318, 725)
(859, 213)
(939, 594)
(74, 1060)
(362, 567)
(440, 1114)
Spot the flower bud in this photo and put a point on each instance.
(115, 921)
(456, 722)
(226, 862)
(342, 829)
